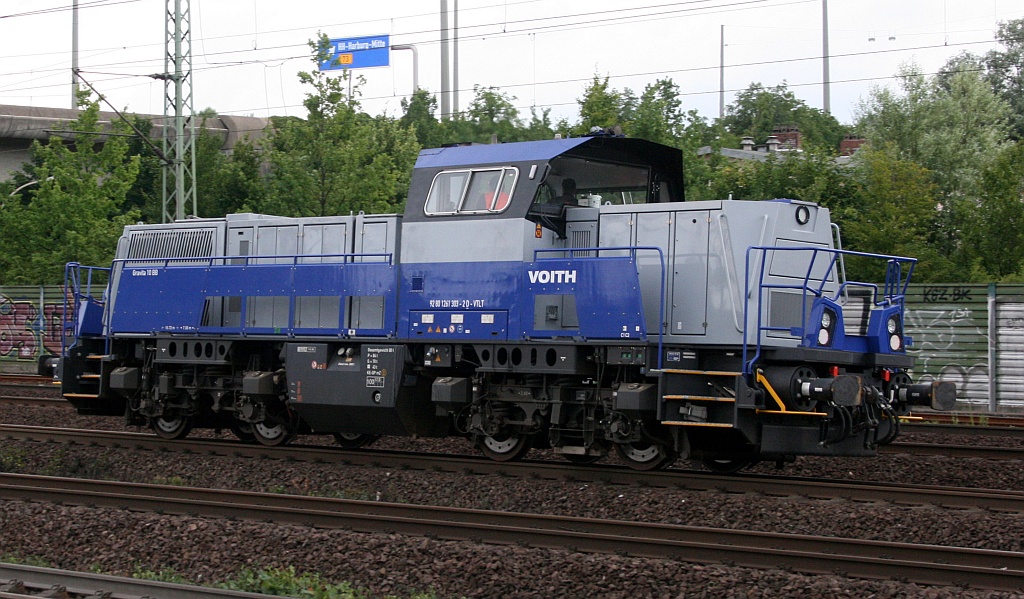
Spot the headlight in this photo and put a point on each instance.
(823, 337)
(892, 325)
(895, 342)
(826, 319)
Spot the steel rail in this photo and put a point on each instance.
(26, 379)
(49, 402)
(970, 418)
(924, 564)
(782, 486)
(85, 584)
(995, 430)
(958, 451)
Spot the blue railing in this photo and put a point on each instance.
(814, 284)
(83, 313)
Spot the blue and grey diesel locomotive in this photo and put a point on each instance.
(555, 294)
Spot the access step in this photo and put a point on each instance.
(701, 424)
(700, 398)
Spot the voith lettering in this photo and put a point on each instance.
(552, 276)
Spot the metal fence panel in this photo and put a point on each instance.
(30, 320)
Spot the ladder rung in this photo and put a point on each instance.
(704, 424)
(82, 395)
(699, 398)
(90, 376)
(97, 356)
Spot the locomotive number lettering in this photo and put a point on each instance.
(145, 272)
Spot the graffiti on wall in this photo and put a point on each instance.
(946, 294)
(28, 331)
(941, 332)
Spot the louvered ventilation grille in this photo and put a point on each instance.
(190, 243)
(581, 239)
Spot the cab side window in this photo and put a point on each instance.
(471, 191)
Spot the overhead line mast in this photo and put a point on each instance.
(179, 189)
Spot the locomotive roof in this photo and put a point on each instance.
(666, 159)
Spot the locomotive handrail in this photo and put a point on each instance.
(74, 295)
(893, 291)
(632, 249)
(209, 260)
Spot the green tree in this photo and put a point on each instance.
(758, 110)
(539, 127)
(659, 115)
(418, 112)
(996, 237)
(337, 160)
(812, 175)
(894, 212)
(145, 192)
(600, 107)
(952, 125)
(492, 115)
(1005, 71)
(226, 184)
(1002, 69)
(75, 211)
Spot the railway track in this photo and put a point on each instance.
(17, 581)
(924, 564)
(783, 486)
(32, 380)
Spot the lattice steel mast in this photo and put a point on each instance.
(179, 190)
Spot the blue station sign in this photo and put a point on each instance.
(357, 53)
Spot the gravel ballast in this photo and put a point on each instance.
(209, 550)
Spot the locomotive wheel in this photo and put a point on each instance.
(272, 435)
(243, 431)
(176, 427)
(726, 466)
(505, 447)
(354, 440)
(644, 456)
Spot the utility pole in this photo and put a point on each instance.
(179, 127)
(446, 110)
(721, 75)
(455, 61)
(827, 100)
(74, 55)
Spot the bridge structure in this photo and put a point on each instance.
(21, 125)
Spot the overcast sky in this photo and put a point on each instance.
(246, 53)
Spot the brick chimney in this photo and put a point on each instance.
(789, 137)
(850, 144)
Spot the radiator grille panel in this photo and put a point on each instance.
(190, 243)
